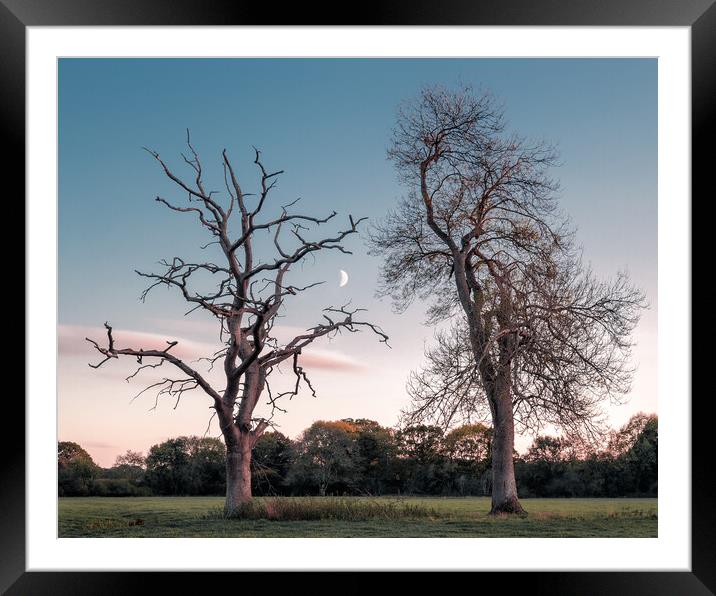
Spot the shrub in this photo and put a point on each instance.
(117, 487)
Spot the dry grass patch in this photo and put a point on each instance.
(300, 509)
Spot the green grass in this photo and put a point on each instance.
(411, 517)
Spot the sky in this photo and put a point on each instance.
(326, 123)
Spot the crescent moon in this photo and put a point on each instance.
(344, 278)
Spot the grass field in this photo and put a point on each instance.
(441, 517)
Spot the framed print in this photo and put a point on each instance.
(414, 295)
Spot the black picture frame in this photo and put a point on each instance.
(16, 15)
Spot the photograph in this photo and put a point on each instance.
(357, 297)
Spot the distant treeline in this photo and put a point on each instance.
(360, 457)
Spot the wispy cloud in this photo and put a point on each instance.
(99, 445)
(71, 342)
(312, 358)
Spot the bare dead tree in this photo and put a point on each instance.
(246, 300)
(537, 338)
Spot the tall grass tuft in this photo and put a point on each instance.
(298, 509)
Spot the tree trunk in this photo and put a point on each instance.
(504, 486)
(238, 473)
(239, 439)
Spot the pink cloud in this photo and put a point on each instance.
(99, 445)
(328, 360)
(71, 342)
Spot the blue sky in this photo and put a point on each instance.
(327, 124)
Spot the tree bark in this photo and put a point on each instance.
(504, 485)
(239, 440)
(238, 473)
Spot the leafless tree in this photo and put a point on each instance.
(536, 338)
(248, 296)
